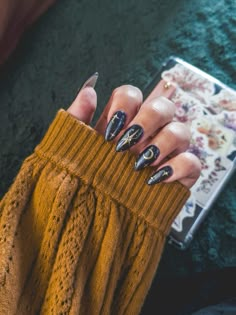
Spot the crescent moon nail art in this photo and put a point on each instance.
(147, 157)
(129, 138)
(162, 174)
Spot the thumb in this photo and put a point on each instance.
(84, 106)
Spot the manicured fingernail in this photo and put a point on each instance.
(147, 157)
(162, 174)
(91, 82)
(115, 125)
(129, 138)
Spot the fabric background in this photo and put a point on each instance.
(126, 42)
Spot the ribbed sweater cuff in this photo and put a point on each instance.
(79, 149)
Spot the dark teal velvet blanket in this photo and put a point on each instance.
(126, 42)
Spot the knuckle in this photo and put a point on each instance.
(193, 163)
(129, 91)
(179, 131)
(164, 107)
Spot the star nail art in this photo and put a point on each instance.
(115, 125)
(162, 174)
(129, 138)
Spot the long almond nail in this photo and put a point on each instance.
(162, 174)
(115, 125)
(132, 135)
(147, 157)
(91, 82)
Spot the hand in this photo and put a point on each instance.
(145, 128)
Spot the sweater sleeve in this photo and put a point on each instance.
(80, 231)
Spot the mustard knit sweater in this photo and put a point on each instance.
(80, 231)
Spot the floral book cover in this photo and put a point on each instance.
(208, 107)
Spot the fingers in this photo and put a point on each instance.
(184, 167)
(122, 106)
(151, 117)
(84, 105)
(163, 88)
(172, 139)
(127, 99)
(147, 128)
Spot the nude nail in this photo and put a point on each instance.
(91, 82)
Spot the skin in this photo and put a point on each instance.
(155, 114)
(156, 118)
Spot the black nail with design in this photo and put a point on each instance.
(129, 138)
(115, 125)
(147, 157)
(162, 174)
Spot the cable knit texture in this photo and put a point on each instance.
(81, 233)
(126, 42)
